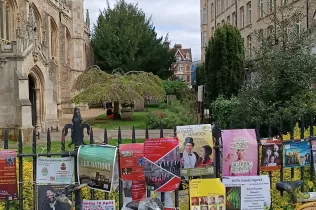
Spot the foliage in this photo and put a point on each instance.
(282, 69)
(177, 88)
(200, 75)
(97, 86)
(125, 38)
(224, 63)
(176, 114)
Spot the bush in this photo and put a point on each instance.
(176, 114)
(177, 88)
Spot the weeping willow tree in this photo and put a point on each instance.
(96, 86)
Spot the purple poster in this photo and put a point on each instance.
(240, 152)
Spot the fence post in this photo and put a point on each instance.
(292, 137)
(20, 151)
(6, 146)
(133, 135)
(162, 195)
(302, 137)
(91, 142)
(119, 141)
(176, 193)
(147, 137)
(34, 164)
(105, 141)
(77, 139)
(217, 134)
(311, 133)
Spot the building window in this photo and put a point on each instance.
(1, 21)
(218, 6)
(249, 12)
(53, 40)
(212, 11)
(67, 47)
(187, 57)
(228, 19)
(204, 39)
(261, 8)
(234, 19)
(242, 17)
(223, 5)
(204, 16)
(227, 4)
(178, 58)
(260, 36)
(6, 20)
(285, 2)
(223, 22)
(270, 30)
(270, 5)
(213, 30)
(181, 68)
(298, 28)
(218, 25)
(249, 45)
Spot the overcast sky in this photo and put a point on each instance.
(181, 19)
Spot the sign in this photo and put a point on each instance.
(297, 154)
(271, 158)
(8, 182)
(98, 205)
(54, 170)
(197, 150)
(240, 152)
(162, 159)
(204, 197)
(200, 93)
(45, 197)
(96, 166)
(132, 161)
(247, 192)
(133, 191)
(314, 153)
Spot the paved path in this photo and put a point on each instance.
(98, 133)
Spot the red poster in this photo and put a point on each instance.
(8, 182)
(138, 190)
(162, 164)
(132, 162)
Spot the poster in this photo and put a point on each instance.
(45, 197)
(314, 153)
(271, 158)
(8, 182)
(162, 159)
(132, 161)
(297, 154)
(204, 197)
(98, 205)
(247, 192)
(133, 191)
(240, 152)
(54, 170)
(197, 151)
(96, 166)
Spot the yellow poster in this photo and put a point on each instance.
(207, 194)
(196, 150)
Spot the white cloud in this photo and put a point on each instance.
(181, 19)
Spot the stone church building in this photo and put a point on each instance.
(44, 46)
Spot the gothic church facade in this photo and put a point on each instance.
(44, 46)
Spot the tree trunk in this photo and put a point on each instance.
(116, 112)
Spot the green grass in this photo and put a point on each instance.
(139, 121)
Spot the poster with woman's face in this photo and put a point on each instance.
(240, 152)
(271, 158)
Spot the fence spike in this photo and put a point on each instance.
(91, 136)
(119, 136)
(49, 142)
(133, 135)
(105, 137)
(161, 130)
(6, 139)
(146, 133)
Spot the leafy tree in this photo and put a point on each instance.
(176, 87)
(224, 63)
(97, 86)
(283, 71)
(200, 75)
(125, 38)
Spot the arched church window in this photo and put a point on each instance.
(68, 39)
(54, 40)
(1, 21)
(7, 22)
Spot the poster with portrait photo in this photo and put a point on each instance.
(272, 153)
(313, 141)
(240, 152)
(297, 154)
(196, 150)
(45, 198)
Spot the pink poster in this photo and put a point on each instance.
(240, 152)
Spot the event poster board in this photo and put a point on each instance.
(247, 192)
(297, 154)
(272, 153)
(96, 166)
(132, 161)
(54, 170)
(204, 197)
(162, 159)
(314, 153)
(45, 197)
(240, 152)
(133, 191)
(8, 178)
(98, 205)
(196, 150)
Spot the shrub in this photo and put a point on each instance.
(177, 88)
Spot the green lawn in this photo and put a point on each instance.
(139, 121)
